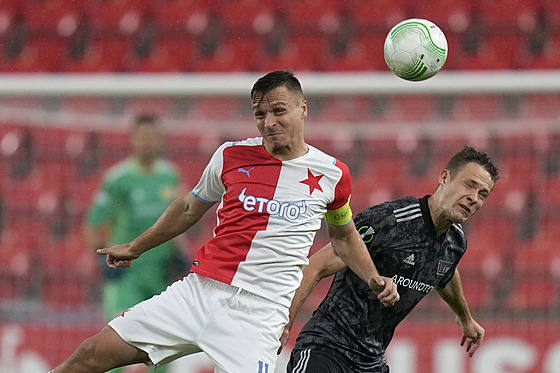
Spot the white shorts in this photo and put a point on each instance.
(240, 331)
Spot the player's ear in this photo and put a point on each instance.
(444, 176)
(303, 109)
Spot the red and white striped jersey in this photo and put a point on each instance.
(268, 215)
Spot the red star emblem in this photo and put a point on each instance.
(312, 181)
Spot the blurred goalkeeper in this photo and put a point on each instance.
(417, 242)
(135, 192)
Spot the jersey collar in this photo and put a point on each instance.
(425, 209)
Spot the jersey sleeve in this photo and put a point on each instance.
(338, 211)
(372, 225)
(461, 247)
(449, 275)
(210, 187)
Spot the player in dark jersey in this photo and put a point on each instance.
(418, 242)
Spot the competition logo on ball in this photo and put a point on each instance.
(415, 49)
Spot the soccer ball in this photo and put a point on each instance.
(415, 49)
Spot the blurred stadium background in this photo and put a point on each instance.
(74, 74)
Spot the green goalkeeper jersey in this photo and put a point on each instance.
(130, 201)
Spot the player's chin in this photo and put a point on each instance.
(458, 219)
(277, 144)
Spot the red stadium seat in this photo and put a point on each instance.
(312, 15)
(84, 106)
(177, 17)
(10, 11)
(380, 15)
(364, 54)
(477, 107)
(538, 254)
(235, 53)
(507, 14)
(214, 108)
(24, 194)
(116, 146)
(550, 192)
(343, 109)
(53, 17)
(552, 8)
(104, 55)
(533, 293)
(16, 259)
(70, 272)
(497, 52)
(50, 142)
(477, 291)
(112, 17)
(520, 172)
(411, 108)
(242, 16)
(38, 55)
(489, 239)
(12, 6)
(541, 106)
(301, 53)
(157, 106)
(450, 16)
(169, 55)
(549, 59)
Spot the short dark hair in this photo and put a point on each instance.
(273, 80)
(468, 155)
(144, 119)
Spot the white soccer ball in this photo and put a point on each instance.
(415, 49)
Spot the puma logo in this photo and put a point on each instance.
(245, 171)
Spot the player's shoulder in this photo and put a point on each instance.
(395, 206)
(318, 153)
(457, 233)
(167, 167)
(240, 145)
(392, 210)
(405, 206)
(119, 171)
(321, 159)
(251, 141)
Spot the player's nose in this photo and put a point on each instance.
(270, 120)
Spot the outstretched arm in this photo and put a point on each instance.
(452, 294)
(182, 214)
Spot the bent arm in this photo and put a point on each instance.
(453, 295)
(349, 246)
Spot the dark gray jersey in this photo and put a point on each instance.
(401, 239)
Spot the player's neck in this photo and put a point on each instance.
(146, 165)
(285, 153)
(441, 223)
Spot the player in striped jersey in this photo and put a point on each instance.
(273, 192)
(418, 242)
